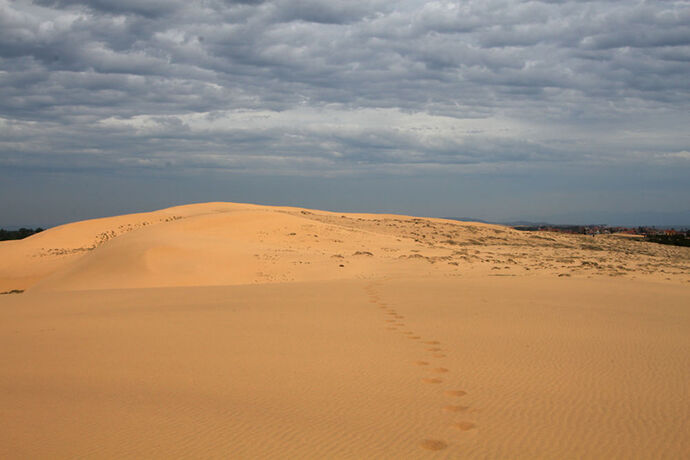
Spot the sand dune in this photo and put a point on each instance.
(243, 331)
(229, 244)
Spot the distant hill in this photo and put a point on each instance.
(516, 223)
(529, 223)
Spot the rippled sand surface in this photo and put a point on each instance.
(238, 331)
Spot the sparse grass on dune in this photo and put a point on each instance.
(260, 244)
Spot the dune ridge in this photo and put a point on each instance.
(230, 244)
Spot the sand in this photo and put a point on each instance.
(225, 330)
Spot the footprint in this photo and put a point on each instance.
(421, 363)
(408, 332)
(433, 349)
(432, 342)
(452, 408)
(464, 425)
(440, 370)
(433, 444)
(456, 393)
(434, 380)
(414, 337)
(439, 355)
(390, 320)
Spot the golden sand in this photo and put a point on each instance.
(241, 331)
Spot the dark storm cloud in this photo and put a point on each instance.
(342, 86)
(318, 11)
(148, 8)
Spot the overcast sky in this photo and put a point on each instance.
(574, 111)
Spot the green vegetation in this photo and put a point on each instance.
(18, 234)
(678, 239)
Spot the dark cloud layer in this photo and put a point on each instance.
(321, 88)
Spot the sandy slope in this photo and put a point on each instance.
(228, 244)
(227, 330)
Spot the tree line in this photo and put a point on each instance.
(679, 239)
(18, 234)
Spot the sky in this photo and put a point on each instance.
(503, 110)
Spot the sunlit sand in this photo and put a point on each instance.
(241, 331)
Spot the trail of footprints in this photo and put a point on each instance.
(394, 323)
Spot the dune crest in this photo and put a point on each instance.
(230, 244)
